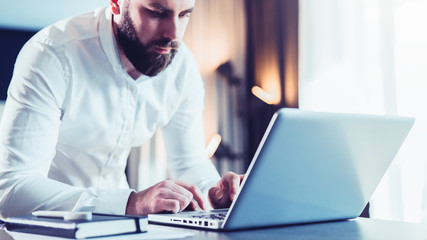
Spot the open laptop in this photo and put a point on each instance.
(309, 167)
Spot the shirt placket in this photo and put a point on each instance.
(111, 172)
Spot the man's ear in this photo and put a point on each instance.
(115, 6)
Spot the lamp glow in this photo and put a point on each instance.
(213, 145)
(263, 95)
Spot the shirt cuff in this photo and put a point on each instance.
(101, 200)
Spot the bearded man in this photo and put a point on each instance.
(84, 92)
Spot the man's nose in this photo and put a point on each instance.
(171, 29)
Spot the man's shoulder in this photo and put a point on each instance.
(76, 28)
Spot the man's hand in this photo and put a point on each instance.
(225, 190)
(170, 195)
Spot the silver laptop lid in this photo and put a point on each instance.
(314, 166)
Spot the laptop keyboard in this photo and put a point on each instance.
(210, 216)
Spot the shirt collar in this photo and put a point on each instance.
(108, 40)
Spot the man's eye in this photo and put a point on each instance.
(156, 13)
(185, 15)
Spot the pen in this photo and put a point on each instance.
(66, 215)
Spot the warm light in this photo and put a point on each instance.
(263, 95)
(290, 86)
(269, 81)
(213, 145)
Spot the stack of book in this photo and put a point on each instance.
(96, 226)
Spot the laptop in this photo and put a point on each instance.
(309, 167)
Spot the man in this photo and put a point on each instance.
(87, 89)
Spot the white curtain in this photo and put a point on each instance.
(369, 56)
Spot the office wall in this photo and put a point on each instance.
(11, 41)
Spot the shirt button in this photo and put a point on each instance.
(132, 89)
(127, 128)
(115, 156)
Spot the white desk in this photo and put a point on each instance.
(358, 229)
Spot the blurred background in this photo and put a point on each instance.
(256, 56)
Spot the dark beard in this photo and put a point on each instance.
(144, 57)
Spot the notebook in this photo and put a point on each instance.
(309, 167)
(99, 225)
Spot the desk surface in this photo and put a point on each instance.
(358, 229)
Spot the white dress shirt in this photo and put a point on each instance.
(73, 114)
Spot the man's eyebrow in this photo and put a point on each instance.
(160, 7)
(190, 10)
